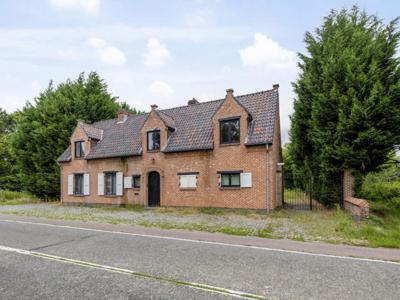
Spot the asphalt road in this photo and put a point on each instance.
(53, 262)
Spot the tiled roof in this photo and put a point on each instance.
(66, 156)
(192, 124)
(91, 131)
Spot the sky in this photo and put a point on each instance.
(161, 52)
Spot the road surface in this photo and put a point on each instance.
(43, 261)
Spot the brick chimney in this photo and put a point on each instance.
(193, 101)
(154, 106)
(229, 93)
(122, 116)
(275, 86)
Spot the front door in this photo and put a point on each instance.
(154, 189)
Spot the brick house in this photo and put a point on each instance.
(221, 153)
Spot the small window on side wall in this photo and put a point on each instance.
(230, 131)
(79, 150)
(136, 181)
(153, 140)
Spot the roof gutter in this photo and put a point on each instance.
(268, 188)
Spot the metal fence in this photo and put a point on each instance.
(311, 193)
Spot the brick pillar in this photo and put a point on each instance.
(348, 184)
(359, 208)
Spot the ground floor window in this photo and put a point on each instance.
(136, 181)
(78, 184)
(230, 179)
(111, 183)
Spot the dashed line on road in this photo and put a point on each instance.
(199, 286)
(208, 242)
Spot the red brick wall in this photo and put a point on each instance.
(207, 163)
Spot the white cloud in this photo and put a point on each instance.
(89, 6)
(157, 53)
(269, 53)
(161, 89)
(107, 54)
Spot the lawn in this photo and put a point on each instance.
(382, 229)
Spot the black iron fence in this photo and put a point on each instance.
(311, 193)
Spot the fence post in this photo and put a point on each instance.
(311, 188)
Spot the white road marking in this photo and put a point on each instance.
(208, 242)
(199, 286)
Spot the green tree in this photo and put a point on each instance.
(44, 129)
(9, 179)
(347, 109)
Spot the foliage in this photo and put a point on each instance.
(347, 111)
(12, 197)
(8, 170)
(44, 129)
(382, 187)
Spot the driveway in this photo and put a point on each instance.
(42, 259)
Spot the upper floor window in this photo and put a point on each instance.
(79, 151)
(78, 186)
(230, 131)
(153, 140)
(111, 183)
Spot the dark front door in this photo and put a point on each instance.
(154, 189)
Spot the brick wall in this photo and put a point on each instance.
(207, 162)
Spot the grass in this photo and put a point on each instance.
(14, 198)
(382, 229)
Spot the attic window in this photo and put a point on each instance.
(230, 131)
(153, 140)
(79, 151)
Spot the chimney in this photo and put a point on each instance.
(275, 86)
(122, 116)
(229, 93)
(193, 101)
(154, 106)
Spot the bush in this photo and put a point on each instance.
(382, 187)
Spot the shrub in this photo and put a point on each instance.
(382, 187)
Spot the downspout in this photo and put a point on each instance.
(268, 196)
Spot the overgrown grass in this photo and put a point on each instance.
(14, 198)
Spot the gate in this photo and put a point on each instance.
(307, 192)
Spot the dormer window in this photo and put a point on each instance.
(153, 140)
(79, 149)
(229, 131)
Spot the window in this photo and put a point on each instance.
(230, 131)
(230, 179)
(136, 181)
(153, 140)
(78, 186)
(187, 180)
(111, 184)
(79, 149)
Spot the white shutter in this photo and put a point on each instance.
(86, 184)
(245, 180)
(120, 185)
(188, 181)
(70, 184)
(128, 182)
(100, 184)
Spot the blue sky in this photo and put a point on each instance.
(162, 52)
